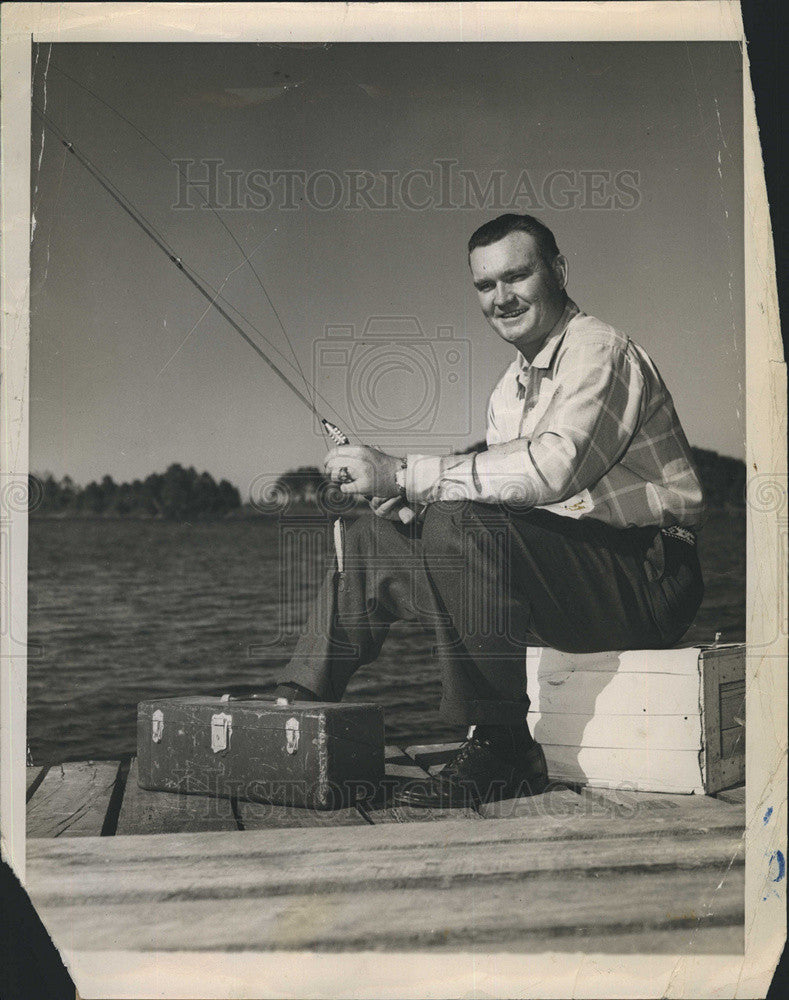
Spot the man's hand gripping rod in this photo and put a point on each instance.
(405, 514)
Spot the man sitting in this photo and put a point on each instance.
(574, 529)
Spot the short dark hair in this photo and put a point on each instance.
(497, 229)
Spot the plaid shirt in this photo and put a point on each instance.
(588, 429)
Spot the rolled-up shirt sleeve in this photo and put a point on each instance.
(493, 434)
(592, 416)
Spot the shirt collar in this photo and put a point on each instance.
(544, 357)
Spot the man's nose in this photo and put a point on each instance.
(502, 295)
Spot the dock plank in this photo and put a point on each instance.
(263, 816)
(595, 824)
(401, 769)
(596, 870)
(35, 775)
(556, 800)
(505, 914)
(72, 800)
(144, 811)
(736, 796)
(32, 774)
(283, 871)
(624, 802)
(264, 863)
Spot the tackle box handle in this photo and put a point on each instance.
(255, 697)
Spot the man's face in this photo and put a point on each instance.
(521, 296)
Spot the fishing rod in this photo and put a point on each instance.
(311, 390)
(405, 513)
(334, 432)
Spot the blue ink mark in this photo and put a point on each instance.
(779, 867)
(767, 815)
(776, 870)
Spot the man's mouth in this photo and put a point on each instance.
(513, 313)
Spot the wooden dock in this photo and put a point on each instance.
(113, 867)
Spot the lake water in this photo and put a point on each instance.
(120, 611)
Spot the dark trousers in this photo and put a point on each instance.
(492, 582)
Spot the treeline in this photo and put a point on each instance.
(178, 494)
(723, 478)
(181, 494)
(304, 485)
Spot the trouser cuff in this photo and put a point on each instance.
(316, 681)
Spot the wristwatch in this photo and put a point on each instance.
(400, 478)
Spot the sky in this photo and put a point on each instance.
(630, 152)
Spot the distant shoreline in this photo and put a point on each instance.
(182, 495)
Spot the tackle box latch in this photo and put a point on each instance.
(221, 728)
(292, 735)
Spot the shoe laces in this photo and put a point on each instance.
(464, 751)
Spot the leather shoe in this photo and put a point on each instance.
(480, 771)
(294, 692)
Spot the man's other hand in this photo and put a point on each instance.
(395, 509)
(364, 471)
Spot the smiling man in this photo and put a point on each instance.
(574, 529)
(520, 280)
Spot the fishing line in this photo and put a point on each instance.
(406, 514)
(119, 196)
(106, 182)
(207, 309)
(192, 275)
(163, 153)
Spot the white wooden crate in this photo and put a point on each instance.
(662, 720)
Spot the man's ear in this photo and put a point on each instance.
(560, 269)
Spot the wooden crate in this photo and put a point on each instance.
(653, 720)
(723, 714)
